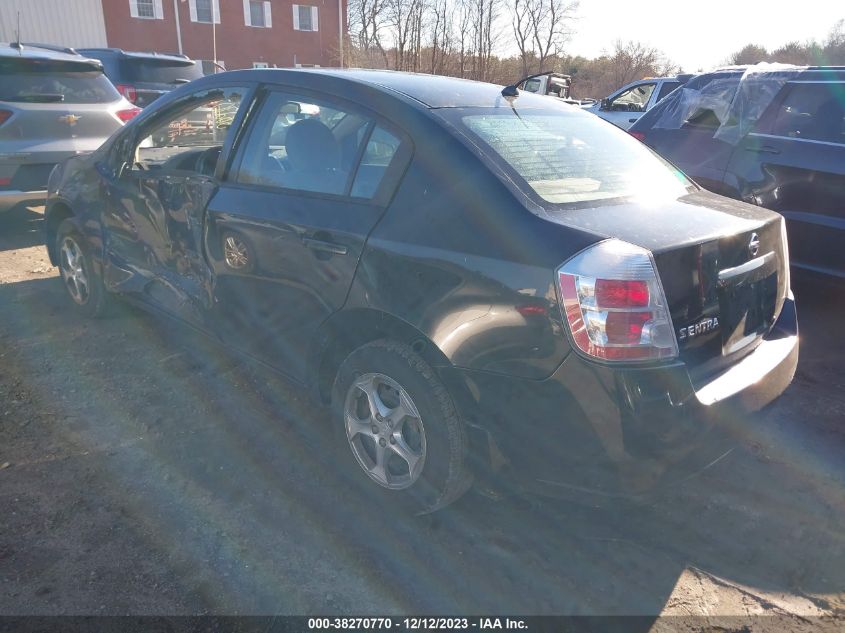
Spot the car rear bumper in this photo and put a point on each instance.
(13, 197)
(600, 430)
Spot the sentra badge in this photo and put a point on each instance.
(697, 329)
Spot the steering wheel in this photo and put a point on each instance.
(207, 161)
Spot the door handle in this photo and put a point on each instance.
(324, 247)
(763, 149)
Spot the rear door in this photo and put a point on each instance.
(794, 163)
(288, 226)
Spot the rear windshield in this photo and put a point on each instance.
(152, 71)
(57, 87)
(573, 158)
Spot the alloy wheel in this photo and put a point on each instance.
(73, 271)
(385, 431)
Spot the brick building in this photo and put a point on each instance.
(245, 33)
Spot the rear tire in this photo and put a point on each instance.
(78, 273)
(410, 452)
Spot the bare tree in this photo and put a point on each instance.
(634, 60)
(440, 35)
(366, 22)
(549, 20)
(750, 54)
(521, 24)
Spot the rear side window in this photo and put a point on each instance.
(57, 87)
(814, 111)
(379, 153)
(666, 88)
(569, 158)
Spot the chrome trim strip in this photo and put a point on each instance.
(747, 267)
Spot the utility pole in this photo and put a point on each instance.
(178, 25)
(340, 29)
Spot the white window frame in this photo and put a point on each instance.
(314, 18)
(260, 65)
(158, 11)
(268, 15)
(215, 11)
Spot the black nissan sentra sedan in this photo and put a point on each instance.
(477, 284)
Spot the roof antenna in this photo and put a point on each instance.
(17, 43)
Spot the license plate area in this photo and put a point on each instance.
(747, 304)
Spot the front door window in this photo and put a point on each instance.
(190, 136)
(632, 100)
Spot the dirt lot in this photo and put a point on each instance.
(145, 471)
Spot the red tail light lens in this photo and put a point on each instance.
(614, 304)
(126, 115)
(612, 293)
(640, 136)
(4, 116)
(128, 92)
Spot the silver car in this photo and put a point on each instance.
(626, 105)
(53, 104)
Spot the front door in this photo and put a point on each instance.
(154, 220)
(287, 228)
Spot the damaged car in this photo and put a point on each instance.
(771, 135)
(479, 285)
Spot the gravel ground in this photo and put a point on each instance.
(145, 471)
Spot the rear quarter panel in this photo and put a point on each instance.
(459, 258)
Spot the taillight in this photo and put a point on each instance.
(128, 91)
(640, 136)
(4, 116)
(126, 115)
(614, 304)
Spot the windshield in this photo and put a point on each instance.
(572, 157)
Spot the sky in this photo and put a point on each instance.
(700, 34)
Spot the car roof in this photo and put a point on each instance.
(46, 53)
(117, 52)
(40, 52)
(430, 91)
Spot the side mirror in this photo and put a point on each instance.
(604, 104)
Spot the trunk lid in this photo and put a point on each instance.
(721, 263)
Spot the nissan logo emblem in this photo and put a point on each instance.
(754, 245)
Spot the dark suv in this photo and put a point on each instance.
(144, 77)
(472, 280)
(771, 136)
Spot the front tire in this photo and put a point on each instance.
(79, 276)
(398, 430)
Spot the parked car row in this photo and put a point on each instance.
(57, 102)
(770, 135)
(475, 284)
